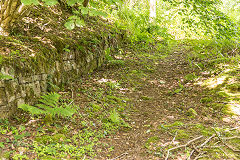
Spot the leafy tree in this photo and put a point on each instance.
(195, 14)
(206, 15)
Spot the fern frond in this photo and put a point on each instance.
(42, 106)
(33, 110)
(65, 110)
(46, 109)
(69, 111)
(114, 117)
(50, 99)
(48, 102)
(49, 106)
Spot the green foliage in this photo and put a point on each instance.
(74, 21)
(194, 18)
(136, 20)
(110, 60)
(72, 2)
(114, 117)
(235, 87)
(190, 77)
(191, 112)
(93, 9)
(5, 77)
(29, 2)
(175, 124)
(146, 98)
(113, 85)
(1, 59)
(206, 100)
(206, 16)
(49, 106)
(108, 56)
(62, 146)
(50, 2)
(184, 18)
(52, 87)
(95, 107)
(2, 145)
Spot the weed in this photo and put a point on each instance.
(114, 117)
(113, 85)
(5, 77)
(66, 49)
(233, 87)
(190, 77)
(146, 98)
(150, 141)
(95, 107)
(2, 145)
(206, 100)
(191, 113)
(20, 157)
(175, 124)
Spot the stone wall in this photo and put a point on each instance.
(23, 81)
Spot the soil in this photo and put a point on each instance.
(163, 107)
(154, 103)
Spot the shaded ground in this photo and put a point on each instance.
(167, 109)
(140, 105)
(145, 103)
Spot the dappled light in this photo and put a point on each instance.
(135, 79)
(234, 107)
(213, 82)
(226, 83)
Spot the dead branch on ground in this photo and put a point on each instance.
(198, 146)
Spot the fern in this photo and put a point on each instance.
(33, 110)
(49, 106)
(50, 99)
(114, 117)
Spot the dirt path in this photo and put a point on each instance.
(149, 113)
(141, 107)
(159, 109)
(156, 102)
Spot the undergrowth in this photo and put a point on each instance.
(58, 128)
(72, 127)
(99, 109)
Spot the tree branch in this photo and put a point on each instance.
(181, 146)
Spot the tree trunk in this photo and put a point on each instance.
(10, 10)
(152, 15)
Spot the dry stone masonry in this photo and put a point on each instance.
(23, 81)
